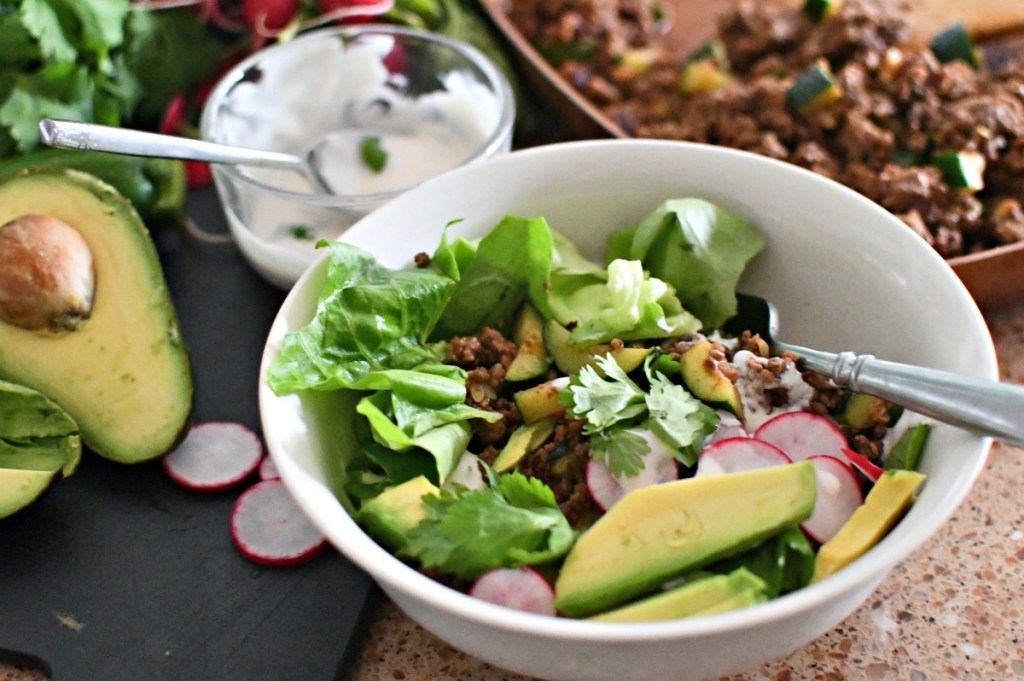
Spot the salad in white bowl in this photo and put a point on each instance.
(588, 440)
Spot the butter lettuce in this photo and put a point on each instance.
(368, 318)
(701, 249)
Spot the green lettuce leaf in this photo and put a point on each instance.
(369, 318)
(513, 259)
(785, 562)
(701, 249)
(514, 522)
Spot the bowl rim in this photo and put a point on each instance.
(502, 90)
(395, 575)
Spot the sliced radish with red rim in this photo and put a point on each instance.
(268, 469)
(801, 435)
(658, 466)
(865, 465)
(269, 528)
(517, 588)
(838, 496)
(738, 454)
(214, 456)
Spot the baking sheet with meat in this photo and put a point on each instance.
(855, 141)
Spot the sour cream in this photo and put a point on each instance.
(756, 408)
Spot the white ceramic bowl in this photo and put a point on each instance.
(845, 274)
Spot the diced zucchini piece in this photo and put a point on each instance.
(963, 170)
(702, 76)
(956, 43)
(821, 9)
(705, 69)
(814, 88)
(559, 53)
(906, 454)
(635, 63)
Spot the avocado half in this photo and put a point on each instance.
(123, 372)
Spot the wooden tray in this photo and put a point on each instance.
(994, 277)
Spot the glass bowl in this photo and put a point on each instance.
(386, 108)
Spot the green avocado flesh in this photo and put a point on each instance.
(707, 595)
(37, 440)
(390, 516)
(659, 532)
(123, 374)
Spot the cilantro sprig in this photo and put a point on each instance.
(617, 411)
(513, 522)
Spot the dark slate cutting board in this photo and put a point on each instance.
(118, 573)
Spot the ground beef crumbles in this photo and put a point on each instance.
(898, 107)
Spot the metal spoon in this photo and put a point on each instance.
(95, 137)
(986, 407)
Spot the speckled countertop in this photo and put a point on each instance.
(954, 610)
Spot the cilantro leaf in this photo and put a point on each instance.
(603, 402)
(675, 416)
(621, 449)
(512, 523)
(374, 155)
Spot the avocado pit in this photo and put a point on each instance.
(47, 277)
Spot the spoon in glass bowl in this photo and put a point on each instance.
(96, 137)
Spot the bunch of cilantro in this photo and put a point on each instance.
(98, 61)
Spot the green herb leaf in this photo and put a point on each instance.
(676, 417)
(621, 449)
(369, 319)
(514, 522)
(508, 263)
(373, 154)
(701, 249)
(603, 402)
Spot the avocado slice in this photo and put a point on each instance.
(390, 515)
(705, 379)
(885, 504)
(570, 358)
(19, 488)
(705, 595)
(523, 440)
(531, 358)
(121, 371)
(661, 531)
(38, 440)
(541, 401)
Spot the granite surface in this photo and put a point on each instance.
(953, 610)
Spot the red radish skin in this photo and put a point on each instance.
(268, 469)
(262, 16)
(517, 588)
(838, 496)
(606, 489)
(862, 463)
(214, 456)
(736, 454)
(270, 529)
(801, 435)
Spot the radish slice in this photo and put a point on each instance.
(214, 456)
(801, 435)
(606, 489)
(728, 426)
(268, 469)
(736, 454)
(269, 528)
(466, 473)
(864, 465)
(520, 589)
(839, 495)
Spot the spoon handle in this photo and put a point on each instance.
(986, 407)
(95, 137)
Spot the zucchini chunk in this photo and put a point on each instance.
(962, 170)
(956, 43)
(813, 89)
